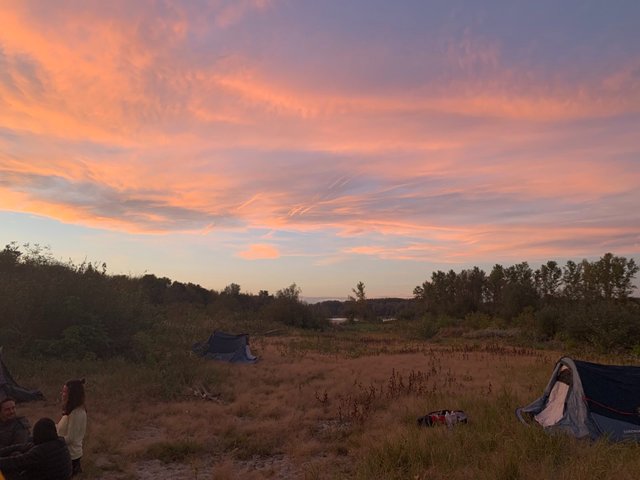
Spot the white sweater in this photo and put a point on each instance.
(73, 427)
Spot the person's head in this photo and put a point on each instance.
(7, 409)
(44, 431)
(72, 395)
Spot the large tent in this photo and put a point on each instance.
(9, 387)
(226, 347)
(589, 400)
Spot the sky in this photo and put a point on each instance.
(322, 143)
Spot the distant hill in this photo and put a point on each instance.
(313, 300)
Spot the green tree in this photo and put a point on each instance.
(615, 276)
(292, 293)
(287, 308)
(9, 257)
(359, 305)
(155, 288)
(233, 290)
(547, 280)
(519, 291)
(590, 285)
(572, 280)
(494, 289)
(468, 293)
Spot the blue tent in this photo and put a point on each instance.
(589, 400)
(226, 347)
(10, 388)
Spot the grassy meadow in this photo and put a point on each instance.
(338, 404)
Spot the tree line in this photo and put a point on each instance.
(53, 308)
(586, 302)
(65, 309)
(507, 291)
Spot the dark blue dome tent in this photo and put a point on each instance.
(10, 388)
(589, 400)
(226, 347)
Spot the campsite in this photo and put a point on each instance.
(323, 405)
(186, 383)
(319, 240)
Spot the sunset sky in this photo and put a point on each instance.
(321, 142)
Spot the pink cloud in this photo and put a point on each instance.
(124, 124)
(509, 243)
(234, 11)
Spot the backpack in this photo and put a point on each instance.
(443, 417)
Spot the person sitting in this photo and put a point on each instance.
(13, 429)
(46, 459)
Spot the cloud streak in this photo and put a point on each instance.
(440, 135)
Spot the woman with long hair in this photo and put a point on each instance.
(73, 424)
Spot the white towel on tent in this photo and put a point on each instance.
(554, 410)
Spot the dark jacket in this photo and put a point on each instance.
(14, 431)
(46, 461)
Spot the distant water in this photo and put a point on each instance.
(344, 319)
(338, 319)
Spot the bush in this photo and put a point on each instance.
(429, 326)
(549, 322)
(606, 325)
(478, 320)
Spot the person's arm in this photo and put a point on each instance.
(17, 448)
(19, 462)
(21, 434)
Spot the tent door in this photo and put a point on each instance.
(554, 410)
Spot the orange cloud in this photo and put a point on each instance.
(259, 252)
(121, 123)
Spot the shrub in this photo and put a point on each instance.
(606, 325)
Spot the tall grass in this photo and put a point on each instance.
(492, 446)
(339, 404)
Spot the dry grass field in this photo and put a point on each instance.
(324, 406)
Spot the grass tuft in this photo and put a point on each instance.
(174, 451)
